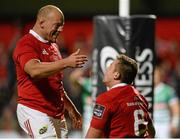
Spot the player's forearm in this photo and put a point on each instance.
(46, 69)
(93, 133)
(175, 114)
(69, 106)
(37, 69)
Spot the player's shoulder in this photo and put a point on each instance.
(102, 97)
(168, 88)
(26, 39)
(106, 97)
(144, 100)
(23, 44)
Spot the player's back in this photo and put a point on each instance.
(128, 114)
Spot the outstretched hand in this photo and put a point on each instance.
(75, 60)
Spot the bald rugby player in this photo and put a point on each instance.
(42, 99)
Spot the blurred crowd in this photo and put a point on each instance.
(78, 83)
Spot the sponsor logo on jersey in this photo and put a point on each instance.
(43, 130)
(44, 52)
(98, 111)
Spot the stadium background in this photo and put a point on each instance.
(18, 16)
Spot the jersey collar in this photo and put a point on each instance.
(118, 85)
(37, 36)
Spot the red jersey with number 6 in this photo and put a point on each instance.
(121, 112)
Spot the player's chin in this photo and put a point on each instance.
(105, 81)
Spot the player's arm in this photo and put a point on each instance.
(94, 133)
(99, 119)
(151, 129)
(175, 112)
(73, 112)
(37, 69)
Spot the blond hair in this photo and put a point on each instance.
(127, 67)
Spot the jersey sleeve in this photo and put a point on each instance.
(24, 53)
(171, 95)
(100, 114)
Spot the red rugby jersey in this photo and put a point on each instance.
(121, 112)
(44, 94)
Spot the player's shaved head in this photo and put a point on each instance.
(49, 22)
(45, 11)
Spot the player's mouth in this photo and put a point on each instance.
(55, 34)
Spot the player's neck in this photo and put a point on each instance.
(35, 29)
(115, 82)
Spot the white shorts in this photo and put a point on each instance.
(39, 125)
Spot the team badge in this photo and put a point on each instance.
(43, 130)
(98, 111)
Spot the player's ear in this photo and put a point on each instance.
(117, 75)
(41, 23)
